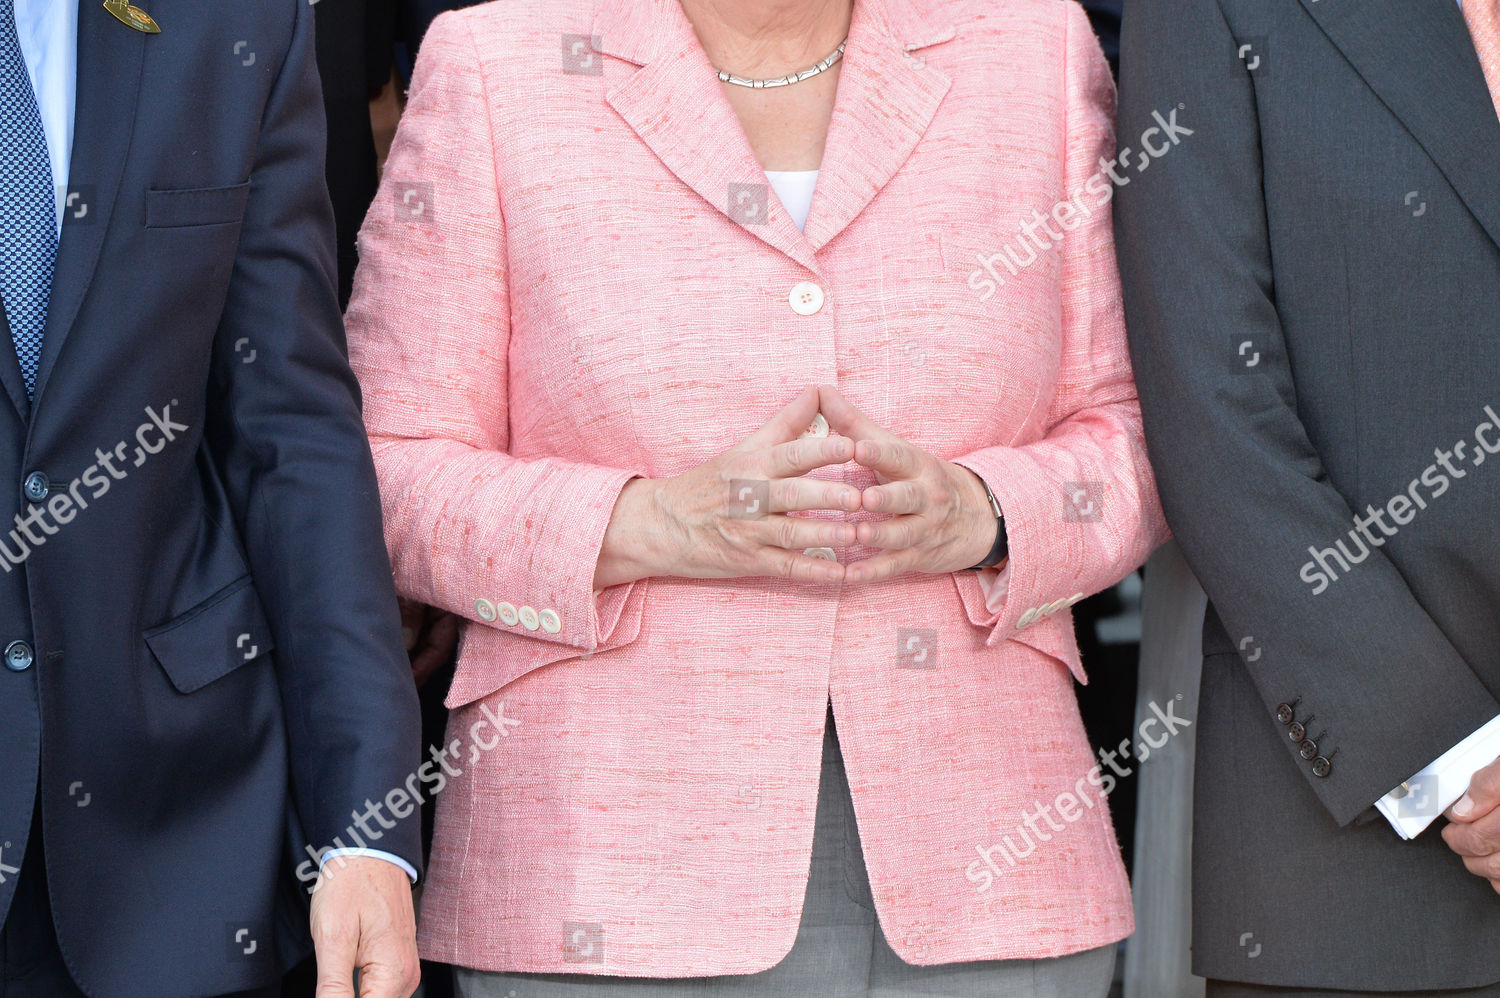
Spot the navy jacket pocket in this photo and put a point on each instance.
(214, 638)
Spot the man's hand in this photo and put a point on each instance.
(362, 918)
(1474, 829)
(430, 635)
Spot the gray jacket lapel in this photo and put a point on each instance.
(1419, 59)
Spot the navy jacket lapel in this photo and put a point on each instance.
(109, 75)
(10, 370)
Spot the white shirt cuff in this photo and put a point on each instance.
(1432, 791)
(372, 854)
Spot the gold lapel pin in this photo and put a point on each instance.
(129, 14)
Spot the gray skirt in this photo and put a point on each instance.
(840, 951)
(1231, 989)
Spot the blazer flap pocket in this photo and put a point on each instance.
(213, 638)
(197, 206)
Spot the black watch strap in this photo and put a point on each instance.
(1000, 550)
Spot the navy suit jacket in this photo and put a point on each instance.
(205, 673)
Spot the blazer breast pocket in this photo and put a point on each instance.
(177, 209)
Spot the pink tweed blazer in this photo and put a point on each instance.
(575, 274)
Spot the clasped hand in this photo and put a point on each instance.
(700, 524)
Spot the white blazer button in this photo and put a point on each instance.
(529, 618)
(827, 554)
(806, 298)
(1028, 618)
(1074, 598)
(485, 609)
(818, 427)
(551, 622)
(507, 613)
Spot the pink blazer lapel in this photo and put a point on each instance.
(675, 104)
(887, 97)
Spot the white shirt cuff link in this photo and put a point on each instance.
(1414, 805)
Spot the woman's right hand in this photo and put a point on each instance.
(727, 518)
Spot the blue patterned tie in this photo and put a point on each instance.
(28, 210)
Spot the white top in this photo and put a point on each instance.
(795, 188)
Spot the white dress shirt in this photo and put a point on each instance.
(1433, 790)
(48, 31)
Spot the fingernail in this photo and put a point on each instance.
(1464, 807)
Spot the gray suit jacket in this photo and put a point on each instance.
(1312, 282)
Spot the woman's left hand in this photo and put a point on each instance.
(940, 518)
